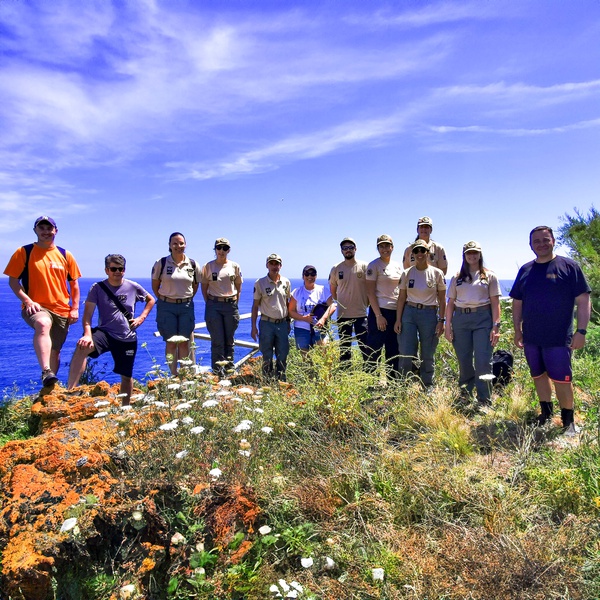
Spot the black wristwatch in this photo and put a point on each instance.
(582, 331)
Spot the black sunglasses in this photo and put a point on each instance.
(310, 273)
(222, 247)
(344, 248)
(115, 269)
(419, 250)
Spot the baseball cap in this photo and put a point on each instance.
(347, 239)
(425, 221)
(308, 268)
(45, 220)
(222, 242)
(384, 239)
(420, 244)
(274, 257)
(471, 246)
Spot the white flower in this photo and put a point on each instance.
(284, 585)
(187, 420)
(267, 430)
(378, 574)
(126, 407)
(101, 403)
(291, 424)
(215, 473)
(329, 563)
(307, 563)
(127, 591)
(225, 383)
(173, 386)
(245, 390)
(275, 590)
(169, 426)
(136, 397)
(259, 410)
(264, 530)
(236, 399)
(177, 339)
(245, 453)
(160, 404)
(137, 515)
(296, 586)
(243, 426)
(68, 524)
(183, 406)
(181, 454)
(487, 377)
(210, 403)
(185, 362)
(124, 395)
(149, 398)
(187, 383)
(223, 394)
(99, 415)
(177, 539)
(198, 429)
(257, 400)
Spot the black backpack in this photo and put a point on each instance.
(24, 277)
(163, 262)
(502, 367)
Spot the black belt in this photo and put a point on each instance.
(222, 298)
(174, 300)
(486, 307)
(270, 320)
(420, 306)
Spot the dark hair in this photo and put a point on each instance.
(465, 273)
(173, 235)
(541, 228)
(118, 259)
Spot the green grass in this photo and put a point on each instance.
(355, 475)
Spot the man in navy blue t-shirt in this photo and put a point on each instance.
(544, 295)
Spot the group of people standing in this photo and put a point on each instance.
(392, 309)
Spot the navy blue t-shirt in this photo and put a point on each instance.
(548, 291)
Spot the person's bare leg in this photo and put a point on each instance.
(42, 344)
(126, 388)
(564, 394)
(78, 363)
(55, 360)
(172, 351)
(543, 387)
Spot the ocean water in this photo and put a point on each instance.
(19, 368)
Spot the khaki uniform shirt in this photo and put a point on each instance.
(176, 281)
(436, 256)
(386, 277)
(221, 278)
(274, 296)
(351, 292)
(422, 286)
(475, 293)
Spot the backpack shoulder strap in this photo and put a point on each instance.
(24, 277)
(116, 301)
(193, 263)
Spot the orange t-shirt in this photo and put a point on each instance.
(48, 274)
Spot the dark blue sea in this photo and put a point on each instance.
(19, 370)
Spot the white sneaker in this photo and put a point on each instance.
(571, 431)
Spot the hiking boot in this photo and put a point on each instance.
(48, 378)
(571, 430)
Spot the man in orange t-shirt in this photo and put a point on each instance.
(49, 291)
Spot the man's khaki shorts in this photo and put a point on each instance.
(59, 329)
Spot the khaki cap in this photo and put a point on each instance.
(384, 239)
(222, 242)
(420, 244)
(274, 257)
(425, 221)
(472, 246)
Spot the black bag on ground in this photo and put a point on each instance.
(502, 367)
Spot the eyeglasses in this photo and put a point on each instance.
(419, 250)
(310, 273)
(222, 247)
(115, 269)
(344, 248)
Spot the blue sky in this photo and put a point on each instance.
(285, 127)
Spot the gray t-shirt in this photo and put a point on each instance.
(110, 318)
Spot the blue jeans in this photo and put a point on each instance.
(222, 319)
(274, 338)
(307, 338)
(377, 340)
(473, 350)
(418, 326)
(345, 326)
